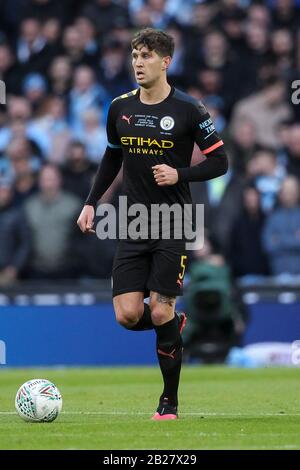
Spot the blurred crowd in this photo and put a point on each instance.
(64, 61)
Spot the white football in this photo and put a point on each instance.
(38, 400)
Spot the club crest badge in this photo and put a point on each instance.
(167, 123)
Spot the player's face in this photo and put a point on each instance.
(148, 66)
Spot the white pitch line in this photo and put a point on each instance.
(196, 413)
(192, 413)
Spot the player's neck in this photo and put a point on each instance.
(156, 94)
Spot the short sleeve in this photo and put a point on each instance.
(203, 130)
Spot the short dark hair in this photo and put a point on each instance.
(155, 40)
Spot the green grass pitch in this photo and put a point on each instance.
(110, 408)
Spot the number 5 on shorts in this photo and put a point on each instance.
(183, 265)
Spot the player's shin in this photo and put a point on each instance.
(169, 352)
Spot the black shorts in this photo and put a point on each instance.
(149, 265)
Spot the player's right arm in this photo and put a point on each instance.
(107, 171)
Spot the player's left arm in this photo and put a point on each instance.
(210, 144)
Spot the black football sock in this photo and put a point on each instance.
(145, 322)
(169, 353)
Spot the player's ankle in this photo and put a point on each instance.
(170, 400)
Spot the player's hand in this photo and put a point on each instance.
(86, 219)
(165, 175)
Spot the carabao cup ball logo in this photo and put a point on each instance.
(167, 123)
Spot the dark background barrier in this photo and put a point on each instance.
(75, 325)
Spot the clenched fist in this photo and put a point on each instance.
(165, 175)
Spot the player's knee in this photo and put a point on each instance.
(159, 316)
(127, 317)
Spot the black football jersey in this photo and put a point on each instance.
(151, 134)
